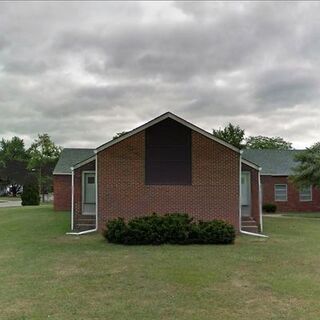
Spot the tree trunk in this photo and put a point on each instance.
(40, 183)
(14, 190)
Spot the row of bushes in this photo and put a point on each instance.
(172, 228)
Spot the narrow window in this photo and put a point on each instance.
(305, 194)
(90, 180)
(280, 192)
(168, 154)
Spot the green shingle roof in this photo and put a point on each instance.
(70, 157)
(272, 162)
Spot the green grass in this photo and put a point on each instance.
(303, 214)
(46, 274)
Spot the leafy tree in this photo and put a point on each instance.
(232, 134)
(30, 195)
(13, 149)
(44, 154)
(262, 142)
(13, 163)
(307, 171)
(119, 134)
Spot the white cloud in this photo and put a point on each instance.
(82, 71)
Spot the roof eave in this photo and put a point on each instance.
(61, 174)
(159, 119)
(82, 163)
(275, 174)
(251, 164)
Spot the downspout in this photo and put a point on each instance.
(260, 200)
(72, 198)
(240, 171)
(96, 160)
(240, 223)
(96, 182)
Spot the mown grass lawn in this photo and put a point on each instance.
(46, 274)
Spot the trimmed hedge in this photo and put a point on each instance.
(30, 195)
(269, 207)
(171, 228)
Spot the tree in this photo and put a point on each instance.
(232, 134)
(13, 163)
(13, 149)
(262, 142)
(44, 154)
(119, 134)
(30, 195)
(307, 171)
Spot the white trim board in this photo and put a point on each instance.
(82, 163)
(250, 164)
(61, 174)
(167, 115)
(275, 174)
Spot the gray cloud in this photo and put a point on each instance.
(83, 71)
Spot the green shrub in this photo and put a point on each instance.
(30, 195)
(176, 228)
(116, 230)
(172, 228)
(145, 230)
(216, 232)
(269, 207)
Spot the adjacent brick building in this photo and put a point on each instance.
(167, 165)
(62, 176)
(276, 186)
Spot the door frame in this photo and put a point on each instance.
(248, 174)
(83, 189)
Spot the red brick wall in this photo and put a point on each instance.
(214, 192)
(293, 203)
(62, 192)
(254, 174)
(78, 185)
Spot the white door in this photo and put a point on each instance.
(89, 196)
(90, 188)
(245, 193)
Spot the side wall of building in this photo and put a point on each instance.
(62, 192)
(293, 203)
(213, 194)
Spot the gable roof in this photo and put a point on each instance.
(272, 162)
(250, 164)
(159, 119)
(69, 157)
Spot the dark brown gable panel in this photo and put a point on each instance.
(168, 154)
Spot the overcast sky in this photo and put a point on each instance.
(84, 71)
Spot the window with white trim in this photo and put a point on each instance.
(305, 194)
(281, 192)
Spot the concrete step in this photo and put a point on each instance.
(86, 224)
(253, 229)
(86, 220)
(86, 216)
(82, 228)
(249, 223)
(246, 219)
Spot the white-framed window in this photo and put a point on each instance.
(281, 192)
(305, 194)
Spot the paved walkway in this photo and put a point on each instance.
(8, 204)
(273, 215)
